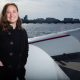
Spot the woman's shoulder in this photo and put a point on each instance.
(1, 31)
(0, 28)
(23, 29)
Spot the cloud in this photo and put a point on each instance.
(47, 8)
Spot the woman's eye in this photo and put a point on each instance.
(14, 11)
(7, 12)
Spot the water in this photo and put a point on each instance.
(35, 30)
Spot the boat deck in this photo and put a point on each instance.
(70, 64)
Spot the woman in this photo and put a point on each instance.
(13, 44)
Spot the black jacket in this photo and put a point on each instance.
(13, 47)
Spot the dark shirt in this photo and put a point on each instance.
(13, 47)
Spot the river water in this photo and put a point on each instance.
(35, 30)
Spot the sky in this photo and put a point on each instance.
(58, 9)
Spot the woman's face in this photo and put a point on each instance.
(12, 14)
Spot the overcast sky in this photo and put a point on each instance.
(46, 8)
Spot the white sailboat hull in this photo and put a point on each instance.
(40, 65)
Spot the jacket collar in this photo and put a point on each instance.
(11, 28)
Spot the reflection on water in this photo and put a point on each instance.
(34, 30)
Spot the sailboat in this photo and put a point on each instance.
(49, 53)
